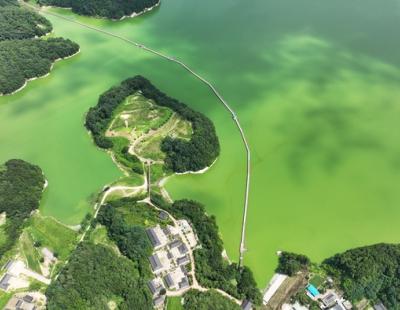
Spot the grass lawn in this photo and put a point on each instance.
(133, 180)
(157, 173)
(317, 281)
(176, 127)
(139, 114)
(99, 235)
(53, 235)
(174, 303)
(3, 236)
(30, 253)
(141, 214)
(4, 298)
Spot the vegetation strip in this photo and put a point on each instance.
(102, 8)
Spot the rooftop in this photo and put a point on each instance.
(329, 299)
(247, 305)
(155, 263)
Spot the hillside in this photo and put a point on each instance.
(23, 54)
(21, 186)
(104, 8)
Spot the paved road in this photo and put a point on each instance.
(214, 90)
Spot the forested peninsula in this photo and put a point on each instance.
(112, 9)
(366, 274)
(371, 272)
(21, 187)
(181, 156)
(23, 54)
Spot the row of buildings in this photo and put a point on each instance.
(170, 261)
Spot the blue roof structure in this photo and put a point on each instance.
(313, 290)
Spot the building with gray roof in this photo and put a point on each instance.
(183, 248)
(379, 306)
(159, 301)
(184, 283)
(183, 260)
(155, 241)
(175, 243)
(170, 281)
(155, 263)
(155, 286)
(5, 282)
(247, 305)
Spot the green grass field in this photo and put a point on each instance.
(4, 298)
(174, 303)
(31, 254)
(99, 236)
(317, 281)
(133, 180)
(53, 235)
(141, 214)
(138, 115)
(150, 147)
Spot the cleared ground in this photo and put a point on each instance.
(145, 124)
(174, 303)
(51, 234)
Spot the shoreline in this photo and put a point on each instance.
(133, 15)
(198, 171)
(41, 76)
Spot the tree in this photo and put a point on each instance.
(291, 263)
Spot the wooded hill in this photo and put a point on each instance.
(23, 55)
(113, 9)
(21, 186)
(371, 272)
(181, 155)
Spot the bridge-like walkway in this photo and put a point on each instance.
(213, 89)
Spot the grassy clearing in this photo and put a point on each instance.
(141, 214)
(138, 115)
(133, 180)
(3, 236)
(150, 147)
(99, 236)
(174, 303)
(4, 298)
(157, 172)
(317, 281)
(53, 235)
(31, 254)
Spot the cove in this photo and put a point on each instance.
(315, 85)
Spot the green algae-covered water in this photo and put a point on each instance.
(316, 86)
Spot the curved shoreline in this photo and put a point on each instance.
(133, 15)
(40, 76)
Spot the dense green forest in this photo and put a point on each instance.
(21, 186)
(291, 263)
(17, 23)
(195, 300)
(22, 54)
(211, 269)
(372, 272)
(96, 275)
(196, 154)
(114, 9)
(132, 240)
